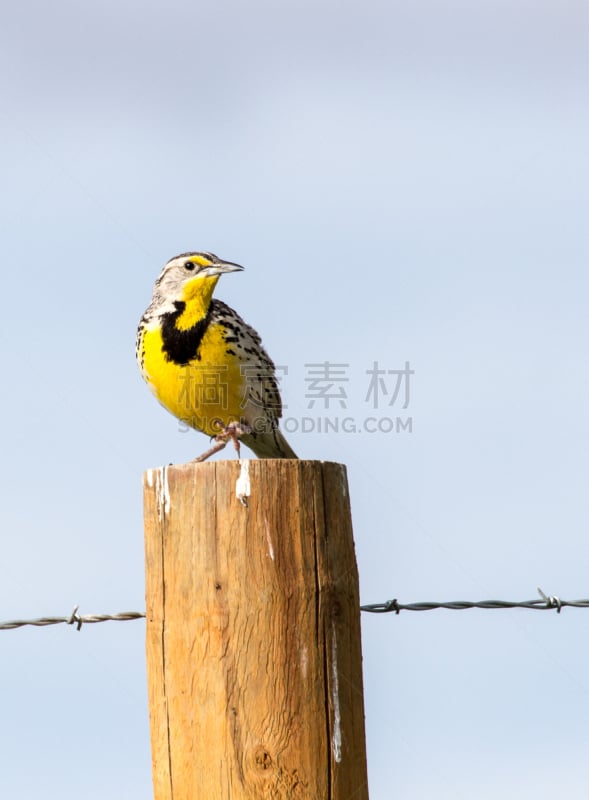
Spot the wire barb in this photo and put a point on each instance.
(551, 602)
(75, 617)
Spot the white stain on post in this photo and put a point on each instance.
(269, 539)
(304, 661)
(336, 738)
(243, 488)
(162, 492)
(344, 480)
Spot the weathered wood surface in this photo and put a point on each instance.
(253, 633)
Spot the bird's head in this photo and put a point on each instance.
(186, 285)
(192, 276)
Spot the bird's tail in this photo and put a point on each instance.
(269, 444)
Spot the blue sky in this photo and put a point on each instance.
(403, 183)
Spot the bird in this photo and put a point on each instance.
(205, 364)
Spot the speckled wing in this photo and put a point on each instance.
(262, 406)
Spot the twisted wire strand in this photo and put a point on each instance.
(73, 619)
(544, 603)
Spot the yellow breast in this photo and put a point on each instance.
(206, 394)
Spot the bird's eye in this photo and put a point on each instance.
(189, 265)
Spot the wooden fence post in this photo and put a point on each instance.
(253, 633)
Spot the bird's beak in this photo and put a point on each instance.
(220, 269)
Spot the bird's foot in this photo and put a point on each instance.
(232, 431)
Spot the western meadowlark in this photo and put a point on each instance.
(205, 364)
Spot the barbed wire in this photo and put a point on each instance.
(73, 619)
(543, 603)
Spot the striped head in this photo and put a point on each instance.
(189, 280)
